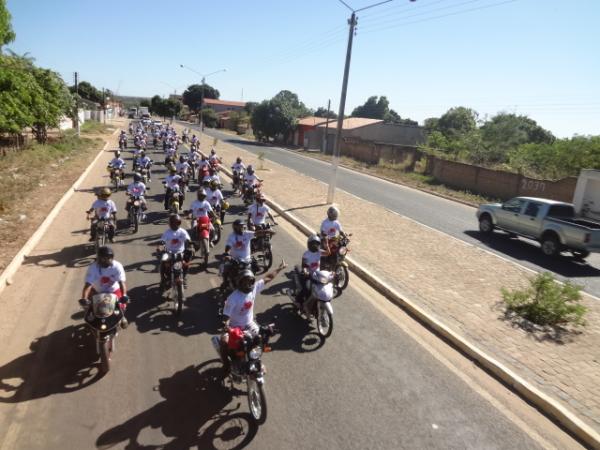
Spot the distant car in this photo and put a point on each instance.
(158, 123)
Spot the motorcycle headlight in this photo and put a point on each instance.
(178, 265)
(136, 203)
(342, 251)
(255, 353)
(103, 326)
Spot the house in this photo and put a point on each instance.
(369, 131)
(302, 137)
(220, 106)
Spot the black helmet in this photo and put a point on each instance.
(238, 160)
(238, 226)
(137, 177)
(201, 193)
(181, 159)
(250, 169)
(313, 243)
(105, 252)
(245, 281)
(174, 221)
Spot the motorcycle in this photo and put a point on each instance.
(122, 143)
(244, 355)
(105, 315)
(102, 229)
(249, 193)
(175, 201)
(116, 176)
(237, 180)
(236, 266)
(261, 246)
(135, 214)
(171, 282)
(336, 261)
(215, 232)
(318, 302)
(145, 173)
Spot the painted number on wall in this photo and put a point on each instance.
(533, 185)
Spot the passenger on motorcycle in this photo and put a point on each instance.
(237, 249)
(117, 163)
(215, 198)
(104, 209)
(331, 229)
(239, 306)
(137, 189)
(258, 213)
(172, 182)
(238, 166)
(311, 262)
(145, 163)
(177, 240)
(105, 276)
(201, 207)
(213, 159)
(250, 178)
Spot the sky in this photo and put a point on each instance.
(538, 58)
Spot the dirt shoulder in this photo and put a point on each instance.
(34, 180)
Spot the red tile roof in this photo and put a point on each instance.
(212, 101)
(357, 122)
(313, 121)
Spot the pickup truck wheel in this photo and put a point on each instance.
(486, 226)
(550, 246)
(580, 254)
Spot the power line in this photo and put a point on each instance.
(427, 19)
(378, 22)
(397, 7)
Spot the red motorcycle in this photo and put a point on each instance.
(203, 233)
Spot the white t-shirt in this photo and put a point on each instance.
(239, 306)
(258, 214)
(182, 167)
(116, 163)
(200, 208)
(312, 259)
(252, 180)
(105, 280)
(145, 161)
(240, 245)
(137, 189)
(175, 240)
(173, 181)
(215, 197)
(104, 208)
(194, 156)
(237, 167)
(213, 158)
(331, 228)
(203, 163)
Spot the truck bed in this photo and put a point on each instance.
(586, 223)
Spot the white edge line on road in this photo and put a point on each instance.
(545, 403)
(15, 264)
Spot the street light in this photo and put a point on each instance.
(202, 92)
(352, 21)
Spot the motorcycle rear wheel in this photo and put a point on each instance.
(205, 250)
(136, 222)
(257, 402)
(216, 235)
(268, 259)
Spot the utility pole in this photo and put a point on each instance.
(327, 125)
(77, 103)
(338, 134)
(201, 102)
(104, 105)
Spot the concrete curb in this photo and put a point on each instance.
(15, 264)
(546, 404)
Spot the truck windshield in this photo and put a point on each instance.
(562, 211)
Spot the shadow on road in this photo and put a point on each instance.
(523, 250)
(72, 256)
(62, 362)
(197, 411)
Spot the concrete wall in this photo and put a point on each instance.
(392, 133)
(497, 183)
(223, 108)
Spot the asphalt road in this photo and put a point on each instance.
(450, 217)
(370, 385)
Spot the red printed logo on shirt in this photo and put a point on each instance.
(103, 209)
(332, 230)
(314, 265)
(259, 214)
(105, 280)
(247, 305)
(238, 244)
(174, 241)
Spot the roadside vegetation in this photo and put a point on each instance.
(546, 302)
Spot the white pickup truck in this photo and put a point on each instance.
(550, 222)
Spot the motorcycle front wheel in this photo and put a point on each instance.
(342, 277)
(105, 351)
(216, 235)
(324, 322)
(257, 402)
(180, 299)
(136, 222)
(268, 259)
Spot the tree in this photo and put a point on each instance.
(87, 91)
(7, 35)
(507, 131)
(51, 103)
(322, 112)
(17, 88)
(193, 95)
(379, 108)
(145, 103)
(155, 104)
(457, 122)
(249, 107)
(209, 117)
(278, 116)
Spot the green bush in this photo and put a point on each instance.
(547, 302)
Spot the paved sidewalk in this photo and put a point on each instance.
(456, 282)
